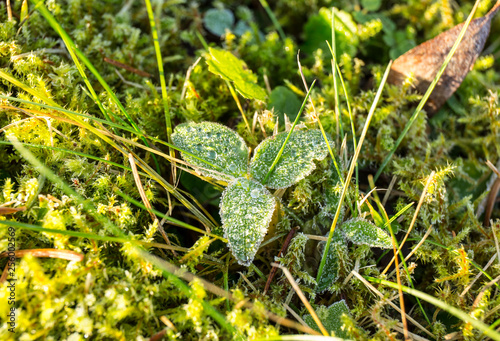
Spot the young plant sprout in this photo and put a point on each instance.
(247, 206)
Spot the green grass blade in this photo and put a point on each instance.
(334, 75)
(427, 93)
(351, 118)
(55, 25)
(276, 160)
(273, 19)
(442, 305)
(163, 83)
(351, 171)
(69, 151)
(27, 89)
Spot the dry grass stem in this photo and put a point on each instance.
(302, 297)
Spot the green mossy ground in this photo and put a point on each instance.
(114, 293)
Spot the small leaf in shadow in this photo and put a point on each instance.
(425, 60)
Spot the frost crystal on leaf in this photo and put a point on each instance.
(215, 144)
(331, 317)
(296, 161)
(361, 231)
(246, 209)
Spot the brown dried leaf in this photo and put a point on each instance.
(425, 60)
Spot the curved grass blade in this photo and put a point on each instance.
(275, 21)
(168, 218)
(163, 83)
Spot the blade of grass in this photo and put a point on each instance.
(55, 25)
(138, 133)
(275, 21)
(170, 188)
(351, 117)
(277, 158)
(351, 171)
(379, 294)
(300, 338)
(334, 76)
(238, 104)
(163, 83)
(69, 151)
(442, 305)
(47, 253)
(395, 248)
(91, 236)
(428, 92)
(302, 297)
(319, 122)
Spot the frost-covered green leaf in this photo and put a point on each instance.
(331, 317)
(229, 67)
(246, 210)
(216, 144)
(297, 160)
(217, 20)
(331, 269)
(318, 30)
(284, 101)
(361, 231)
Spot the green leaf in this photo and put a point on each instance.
(246, 210)
(297, 160)
(371, 5)
(216, 144)
(331, 317)
(331, 269)
(361, 231)
(318, 30)
(226, 65)
(284, 101)
(217, 20)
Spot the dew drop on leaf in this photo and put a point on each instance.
(255, 193)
